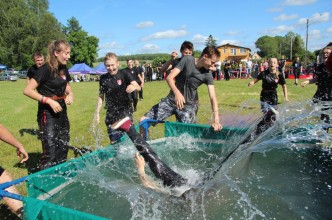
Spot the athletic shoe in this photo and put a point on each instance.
(123, 124)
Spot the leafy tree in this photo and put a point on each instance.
(268, 46)
(210, 41)
(26, 26)
(84, 47)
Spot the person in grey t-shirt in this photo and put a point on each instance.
(184, 80)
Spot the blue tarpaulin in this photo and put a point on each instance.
(3, 67)
(100, 69)
(81, 68)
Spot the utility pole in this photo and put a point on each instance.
(306, 43)
(291, 48)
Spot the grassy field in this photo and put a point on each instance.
(18, 113)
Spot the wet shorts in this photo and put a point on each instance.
(166, 108)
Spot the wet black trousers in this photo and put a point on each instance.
(157, 166)
(54, 134)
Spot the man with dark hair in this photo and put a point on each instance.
(187, 48)
(184, 80)
(38, 59)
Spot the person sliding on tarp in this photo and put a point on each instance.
(114, 87)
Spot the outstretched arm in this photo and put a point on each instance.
(251, 83)
(7, 137)
(214, 105)
(99, 104)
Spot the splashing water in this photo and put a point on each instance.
(286, 173)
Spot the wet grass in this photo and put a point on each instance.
(18, 114)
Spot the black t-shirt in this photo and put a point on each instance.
(114, 89)
(134, 72)
(270, 81)
(324, 84)
(297, 66)
(52, 84)
(190, 78)
(32, 71)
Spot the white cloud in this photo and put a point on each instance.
(320, 17)
(314, 34)
(284, 17)
(278, 30)
(232, 33)
(275, 10)
(315, 18)
(144, 24)
(111, 46)
(233, 42)
(299, 2)
(166, 35)
(199, 39)
(329, 30)
(150, 48)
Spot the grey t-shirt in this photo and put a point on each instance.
(189, 79)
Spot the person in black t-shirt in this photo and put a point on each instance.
(133, 96)
(323, 80)
(297, 67)
(38, 59)
(50, 86)
(139, 71)
(114, 87)
(282, 65)
(271, 77)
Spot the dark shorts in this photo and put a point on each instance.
(1, 170)
(133, 95)
(297, 73)
(166, 108)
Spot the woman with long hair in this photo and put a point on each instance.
(50, 87)
(270, 77)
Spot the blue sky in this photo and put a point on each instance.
(159, 26)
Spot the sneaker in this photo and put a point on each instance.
(123, 124)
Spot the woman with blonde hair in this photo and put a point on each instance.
(50, 87)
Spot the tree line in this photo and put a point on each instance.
(27, 26)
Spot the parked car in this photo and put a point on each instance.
(4, 76)
(22, 74)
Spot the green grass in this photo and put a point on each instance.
(18, 113)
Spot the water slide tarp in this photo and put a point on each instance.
(43, 184)
(81, 68)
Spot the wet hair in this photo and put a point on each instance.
(55, 46)
(109, 56)
(210, 51)
(187, 45)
